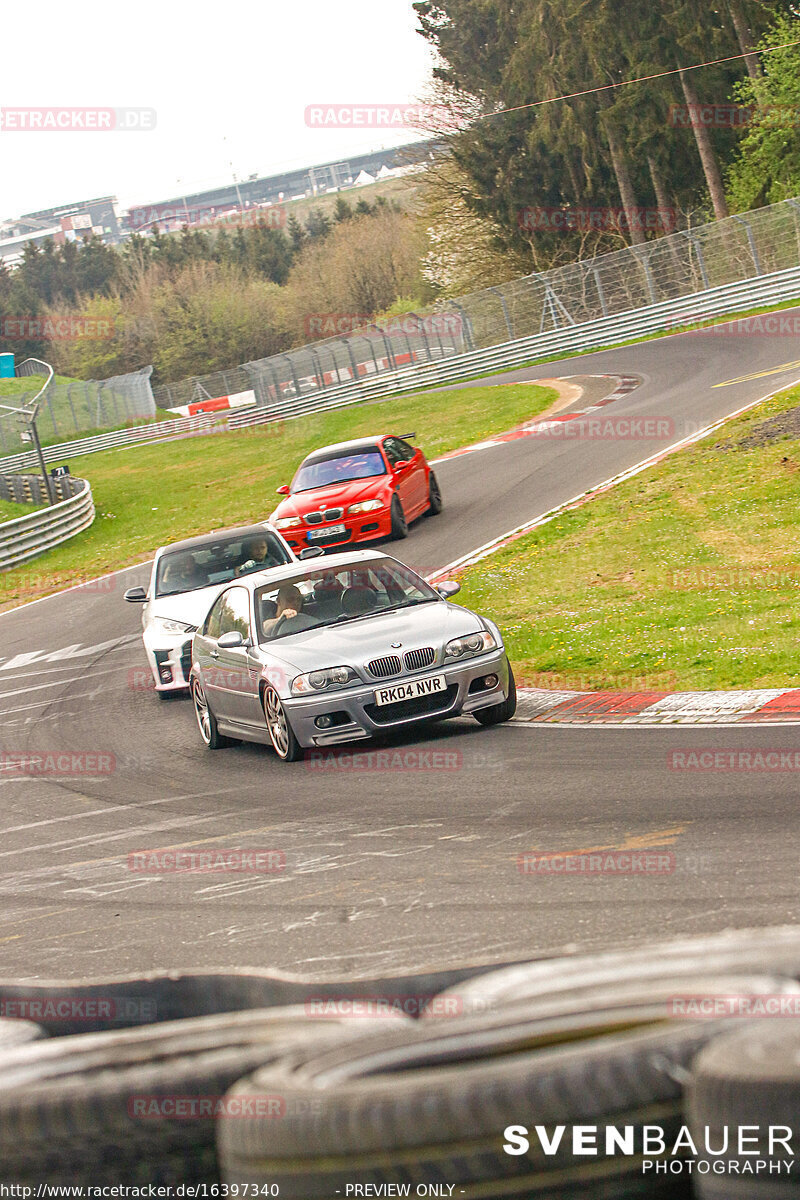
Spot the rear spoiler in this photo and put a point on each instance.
(405, 437)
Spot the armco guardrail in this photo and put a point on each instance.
(160, 431)
(699, 259)
(70, 409)
(669, 315)
(27, 537)
(777, 288)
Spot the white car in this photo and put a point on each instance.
(185, 580)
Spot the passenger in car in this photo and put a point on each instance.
(184, 575)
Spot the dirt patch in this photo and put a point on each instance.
(785, 425)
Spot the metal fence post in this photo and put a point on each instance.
(466, 324)
(600, 293)
(700, 260)
(752, 242)
(497, 292)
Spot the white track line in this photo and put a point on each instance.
(474, 556)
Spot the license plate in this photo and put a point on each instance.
(410, 691)
(331, 531)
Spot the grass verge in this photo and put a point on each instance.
(685, 577)
(148, 495)
(9, 510)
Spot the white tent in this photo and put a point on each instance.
(363, 179)
(385, 173)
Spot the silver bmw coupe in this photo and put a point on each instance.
(327, 652)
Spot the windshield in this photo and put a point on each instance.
(329, 596)
(218, 562)
(339, 468)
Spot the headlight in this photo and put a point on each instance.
(322, 681)
(366, 506)
(287, 523)
(473, 643)
(167, 625)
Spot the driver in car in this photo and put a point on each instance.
(290, 602)
(256, 556)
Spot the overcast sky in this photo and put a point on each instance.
(230, 83)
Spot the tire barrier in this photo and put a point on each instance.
(117, 1003)
(427, 1104)
(140, 1105)
(749, 1078)
(267, 1079)
(774, 950)
(18, 1033)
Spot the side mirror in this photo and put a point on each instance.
(135, 595)
(311, 552)
(399, 466)
(283, 490)
(447, 588)
(233, 641)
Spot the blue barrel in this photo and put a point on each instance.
(6, 366)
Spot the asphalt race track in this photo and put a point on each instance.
(385, 869)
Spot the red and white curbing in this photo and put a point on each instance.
(767, 706)
(538, 706)
(215, 404)
(625, 385)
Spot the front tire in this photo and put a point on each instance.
(399, 522)
(435, 503)
(206, 721)
(497, 713)
(281, 734)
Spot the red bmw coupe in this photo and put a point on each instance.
(356, 491)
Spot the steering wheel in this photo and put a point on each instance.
(295, 624)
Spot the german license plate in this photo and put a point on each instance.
(331, 531)
(410, 691)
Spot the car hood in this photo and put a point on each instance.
(337, 495)
(354, 643)
(190, 607)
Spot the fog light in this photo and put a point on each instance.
(323, 722)
(491, 681)
(165, 674)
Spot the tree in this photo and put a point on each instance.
(767, 164)
(360, 269)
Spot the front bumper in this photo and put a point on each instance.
(365, 527)
(170, 659)
(357, 716)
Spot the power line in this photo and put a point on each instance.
(641, 79)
